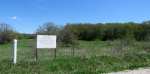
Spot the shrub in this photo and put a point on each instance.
(66, 38)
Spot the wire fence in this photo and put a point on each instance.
(26, 50)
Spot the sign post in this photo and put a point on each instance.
(46, 41)
(15, 52)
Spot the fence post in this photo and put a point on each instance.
(73, 51)
(35, 54)
(55, 53)
(36, 50)
(15, 52)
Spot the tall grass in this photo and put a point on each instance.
(92, 57)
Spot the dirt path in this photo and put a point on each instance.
(138, 71)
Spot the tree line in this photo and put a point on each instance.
(110, 31)
(72, 32)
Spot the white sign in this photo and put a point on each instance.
(46, 41)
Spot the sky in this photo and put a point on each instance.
(27, 15)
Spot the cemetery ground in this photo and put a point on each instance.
(90, 57)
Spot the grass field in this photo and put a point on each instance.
(90, 57)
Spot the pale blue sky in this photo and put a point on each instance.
(27, 15)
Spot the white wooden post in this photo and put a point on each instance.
(15, 52)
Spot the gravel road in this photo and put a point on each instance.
(138, 71)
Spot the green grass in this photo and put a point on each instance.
(91, 57)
